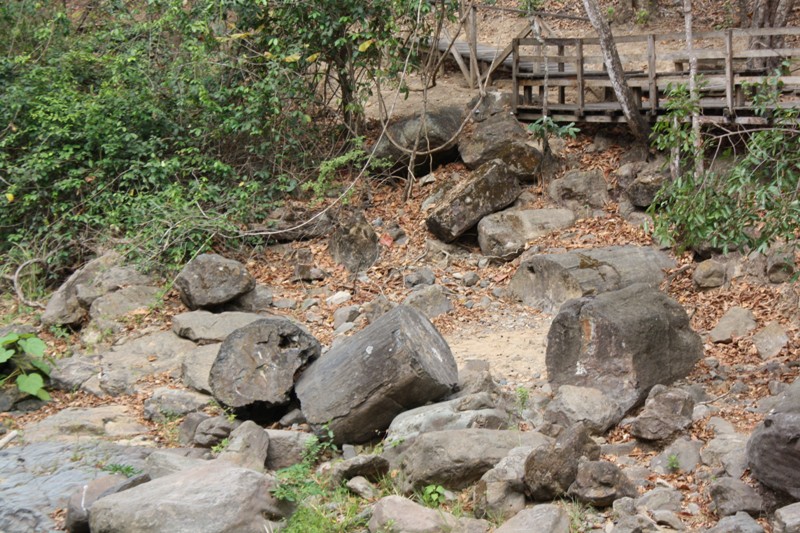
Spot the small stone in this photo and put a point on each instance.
(771, 340)
(736, 322)
(361, 487)
(709, 274)
(787, 519)
(729, 496)
(284, 303)
(471, 279)
(345, 314)
(339, 298)
(422, 276)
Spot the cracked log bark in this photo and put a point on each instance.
(398, 362)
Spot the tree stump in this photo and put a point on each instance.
(258, 362)
(398, 362)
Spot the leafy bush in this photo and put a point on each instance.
(752, 206)
(22, 357)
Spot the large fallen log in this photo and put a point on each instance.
(546, 281)
(398, 362)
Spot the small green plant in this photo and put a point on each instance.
(22, 357)
(124, 469)
(642, 17)
(531, 5)
(523, 396)
(673, 463)
(297, 482)
(59, 331)
(610, 12)
(433, 495)
(221, 446)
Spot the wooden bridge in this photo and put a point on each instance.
(565, 78)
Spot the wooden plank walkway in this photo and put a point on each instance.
(565, 78)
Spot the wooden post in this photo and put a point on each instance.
(543, 91)
(474, 72)
(514, 71)
(561, 89)
(651, 74)
(729, 82)
(579, 73)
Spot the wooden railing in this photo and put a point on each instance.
(567, 73)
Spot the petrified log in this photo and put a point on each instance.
(398, 362)
(258, 362)
(548, 280)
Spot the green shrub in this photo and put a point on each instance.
(22, 357)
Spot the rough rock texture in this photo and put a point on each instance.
(370, 467)
(579, 190)
(432, 130)
(354, 244)
(285, 447)
(773, 453)
(550, 470)
(599, 483)
(458, 458)
(204, 327)
(622, 342)
(77, 520)
(736, 322)
(709, 274)
(168, 403)
(213, 430)
(259, 362)
(546, 281)
(771, 340)
(209, 280)
(115, 305)
(666, 412)
(729, 496)
(646, 185)
(504, 234)
(739, 523)
(196, 367)
(293, 223)
(64, 308)
(74, 423)
(258, 300)
(398, 362)
(586, 405)
(211, 498)
(490, 188)
(248, 447)
(787, 519)
(431, 300)
(548, 518)
(150, 354)
(395, 514)
(501, 492)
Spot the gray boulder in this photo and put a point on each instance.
(771, 340)
(787, 519)
(622, 343)
(431, 300)
(475, 410)
(204, 327)
(726, 451)
(75, 423)
(398, 362)
(546, 281)
(209, 280)
(586, 405)
(248, 447)
(550, 470)
(211, 498)
(166, 403)
(166, 462)
(660, 499)
(729, 496)
(666, 412)
(211, 431)
(500, 492)
(258, 363)
(196, 367)
(113, 306)
(64, 308)
(286, 448)
(773, 453)
(736, 322)
(371, 467)
(457, 458)
(739, 523)
(77, 519)
(488, 189)
(421, 276)
(581, 191)
(599, 483)
(258, 300)
(434, 130)
(682, 455)
(504, 234)
(709, 274)
(354, 244)
(547, 517)
(643, 189)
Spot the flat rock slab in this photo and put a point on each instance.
(204, 326)
(395, 514)
(773, 453)
(151, 354)
(546, 517)
(38, 479)
(196, 367)
(211, 498)
(76, 424)
(117, 304)
(457, 458)
(736, 322)
(546, 281)
(505, 234)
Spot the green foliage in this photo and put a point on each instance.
(523, 395)
(673, 463)
(298, 481)
(22, 357)
(433, 495)
(531, 5)
(751, 206)
(642, 17)
(221, 446)
(546, 126)
(124, 469)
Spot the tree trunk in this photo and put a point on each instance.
(616, 74)
(698, 140)
(769, 14)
